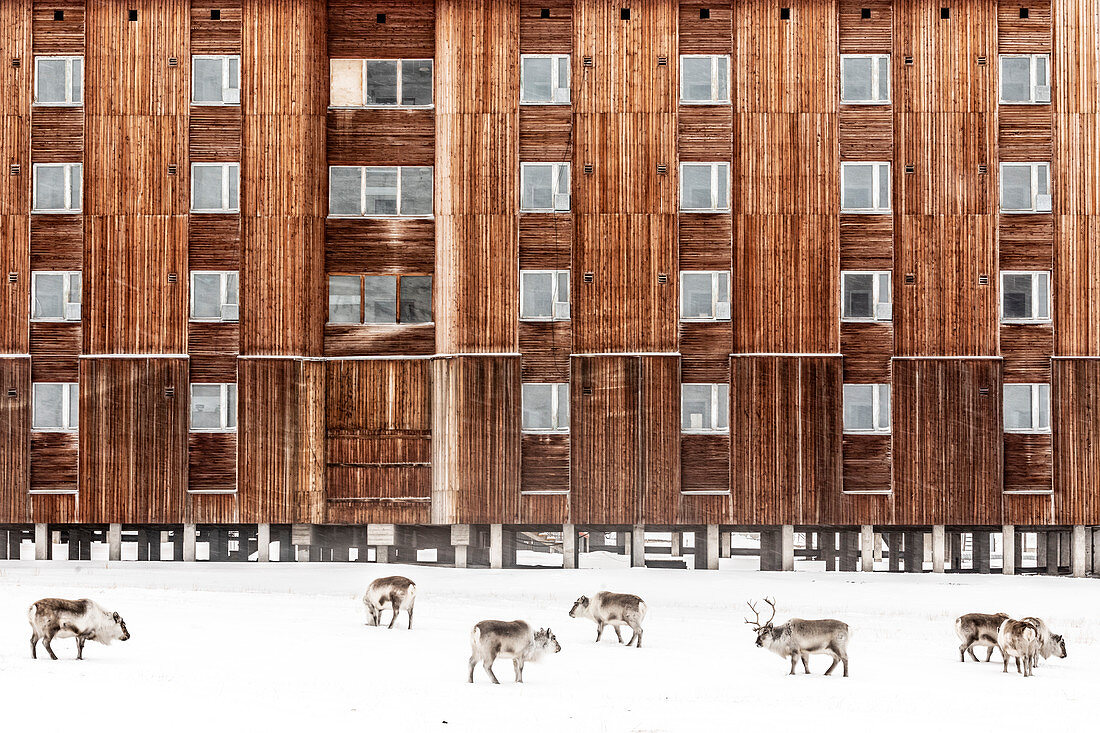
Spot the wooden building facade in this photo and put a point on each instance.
(422, 423)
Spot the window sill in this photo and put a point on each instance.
(1021, 431)
(382, 216)
(1029, 492)
(545, 104)
(544, 320)
(215, 104)
(53, 492)
(545, 211)
(72, 105)
(704, 492)
(214, 431)
(1026, 321)
(864, 103)
(867, 432)
(213, 492)
(705, 211)
(215, 211)
(1011, 212)
(213, 320)
(850, 319)
(706, 103)
(867, 492)
(55, 320)
(545, 493)
(57, 211)
(705, 320)
(545, 432)
(873, 212)
(704, 432)
(378, 325)
(1023, 104)
(55, 430)
(404, 107)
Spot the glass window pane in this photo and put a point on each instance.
(721, 417)
(697, 295)
(49, 296)
(1017, 406)
(78, 81)
(231, 405)
(234, 81)
(1042, 295)
(537, 406)
(1016, 187)
(343, 299)
(382, 82)
(1016, 79)
(416, 191)
(883, 422)
(884, 79)
(562, 295)
(206, 406)
(49, 405)
(416, 82)
(381, 191)
(561, 185)
(696, 409)
(723, 79)
(416, 299)
(345, 191)
(379, 299)
(1016, 296)
(858, 186)
(722, 195)
(206, 295)
(535, 81)
(74, 405)
(538, 192)
(858, 407)
(49, 187)
(232, 288)
(697, 81)
(855, 79)
(76, 182)
(695, 187)
(563, 406)
(561, 93)
(1043, 418)
(206, 80)
(883, 201)
(233, 175)
(859, 295)
(50, 81)
(1041, 77)
(206, 187)
(345, 83)
(537, 294)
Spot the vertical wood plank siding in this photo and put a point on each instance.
(15, 423)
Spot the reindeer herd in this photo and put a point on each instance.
(1024, 640)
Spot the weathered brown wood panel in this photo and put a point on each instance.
(355, 33)
(866, 463)
(705, 133)
(867, 348)
(544, 346)
(1026, 241)
(343, 339)
(544, 468)
(57, 242)
(57, 135)
(545, 242)
(55, 459)
(212, 464)
(213, 351)
(706, 241)
(1075, 421)
(705, 463)
(546, 134)
(713, 34)
(659, 438)
(55, 352)
(705, 351)
(380, 246)
(380, 137)
(1029, 463)
(56, 37)
(15, 434)
(216, 36)
(546, 35)
(865, 35)
(1026, 349)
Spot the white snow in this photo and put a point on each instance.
(280, 647)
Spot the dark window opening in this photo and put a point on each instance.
(132, 15)
(704, 13)
(544, 13)
(624, 13)
(865, 13)
(1023, 12)
(784, 13)
(59, 15)
(215, 15)
(381, 17)
(945, 13)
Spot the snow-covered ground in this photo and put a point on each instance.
(283, 647)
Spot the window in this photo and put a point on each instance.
(1025, 78)
(704, 186)
(865, 296)
(1025, 297)
(865, 188)
(1025, 188)
(380, 299)
(215, 80)
(214, 296)
(865, 79)
(380, 83)
(1027, 408)
(213, 408)
(55, 296)
(544, 79)
(59, 81)
(867, 408)
(56, 407)
(705, 296)
(546, 408)
(215, 187)
(704, 79)
(379, 191)
(57, 187)
(704, 408)
(544, 295)
(544, 187)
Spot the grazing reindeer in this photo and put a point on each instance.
(83, 619)
(492, 639)
(799, 638)
(1019, 639)
(978, 629)
(613, 609)
(1050, 644)
(397, 592)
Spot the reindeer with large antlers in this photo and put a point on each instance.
(799, 638)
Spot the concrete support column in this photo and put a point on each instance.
(114, 542)
(496, 546)
(263, 542)
(637, 546)
(1052, 552)
(42, 548)
(1008, 550)
(460, 540)
(677, 544)
(1095, 550)
(939, 547)
(849, 551)
(867, 548)
(189, 537)
(711, 546)
(725, 544)
(1078, 554)
(569, 546)
(786, 544)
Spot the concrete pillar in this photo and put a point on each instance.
(1078, 554)
(867, 548)
(725, 544)
(1095, 550)
(878, 547)
(189, 537)
(637, 546)
(711, 546)
(1008, 550)
(939, 548)
(263, 542)
(460, 540)
(677, 544)
(914, 552)
(496, 546)
(42, 547)
(849, 551)
(569, 546)
(786, 542)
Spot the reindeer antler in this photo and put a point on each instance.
(756, 623)
(770, 602)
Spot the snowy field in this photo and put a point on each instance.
(284, 647)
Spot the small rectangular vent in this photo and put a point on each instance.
(983, 391)
(662, 277)
(662, 170)
(14, 169)
(662, 60)
(587, 61)
(589, 277)
(13, 393)
(169, 391)
(865, 13)
(983, 169)
(704, 13)
(588, 169)
(16, 63)
(172, 169)
(173, 61)
(380, 18)
(544, 13)
(983, 279)
(172, 277)
(982, 61)
(60, 15)
(215, 15)
(586, 391)
(910, 278)
(131, 15)
(13, 277)
(784, 13)
(624, 13)
(945, 13)
(908, 60)
(1024, 12)
(910, 169)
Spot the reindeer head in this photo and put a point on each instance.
(1059, 645)
(119, 630)
(546, 642)
(580, 604)
(763, 630)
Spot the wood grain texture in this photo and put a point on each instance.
(16, 459)
(1075, 421)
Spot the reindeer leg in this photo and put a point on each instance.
(989, 656)
(805, 662)
(845, 660)
(836, 661)
(518, 664)
(34, 645)
(1005, 658)
(599, 630)
(794, 661)
(410, 618)
(618, 634)
(488, 665)
(1017, 665)
(968, 648)
(80, 647)
(473, 663)
(46, 643)
(395, 607)
(638, 635)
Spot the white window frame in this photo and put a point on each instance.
(1035, 276)
(880, 168)
(363, 193)
(1040, 203)
(226, 387)
(876, 295)
(715, 173)
(715, 391)
(400, 85)
(72, 310)
(559, 308)
(70, 393)
(231, 95)
(71, 207)
(720, 313)
(230, 312)
(555, 403)
(875, 78)
(229, 170)
(715, 99)
(561, 200)
(1036, 422)
(69, 101)
(558, 95)
(881, 423)
(1040, 93)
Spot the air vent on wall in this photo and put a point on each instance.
(624, 13)
(983, 169)
(587, 391)
(172, 277)
(13, 393)
(380, 18)
(172, 169)
(910, 169)
(1023, 12)
(982, 61)
(587, 61)
(13, 277)
(588, 169)
(908, 60)
(662, 170)
(704, 13)
(662, 60)
(589, 277)
(16, 63)
(945, 13)
(169, 391)
(13, 169)
(132, 15)
(983, 279)
(910, 278)
(784, 13)
(173, 61)
(662, 277)
(983, 391)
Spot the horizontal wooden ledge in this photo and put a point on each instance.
(422, 464)
(53, 492)
(15, 356)
(627, 353)
(380, 500)
(947, 358)
(544, 493)
(134, 356)
(704, 492)
(756, 354)
(211, 492)
(868, 492)
(1028, 492)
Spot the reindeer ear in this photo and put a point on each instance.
(116, 616)
(549, 632)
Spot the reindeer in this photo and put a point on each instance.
(492, 639)
(1019, 639)
(51, 618)
(615, 609)
(1050, 644)
(978, 629)
(395, 591)
(799, 638)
